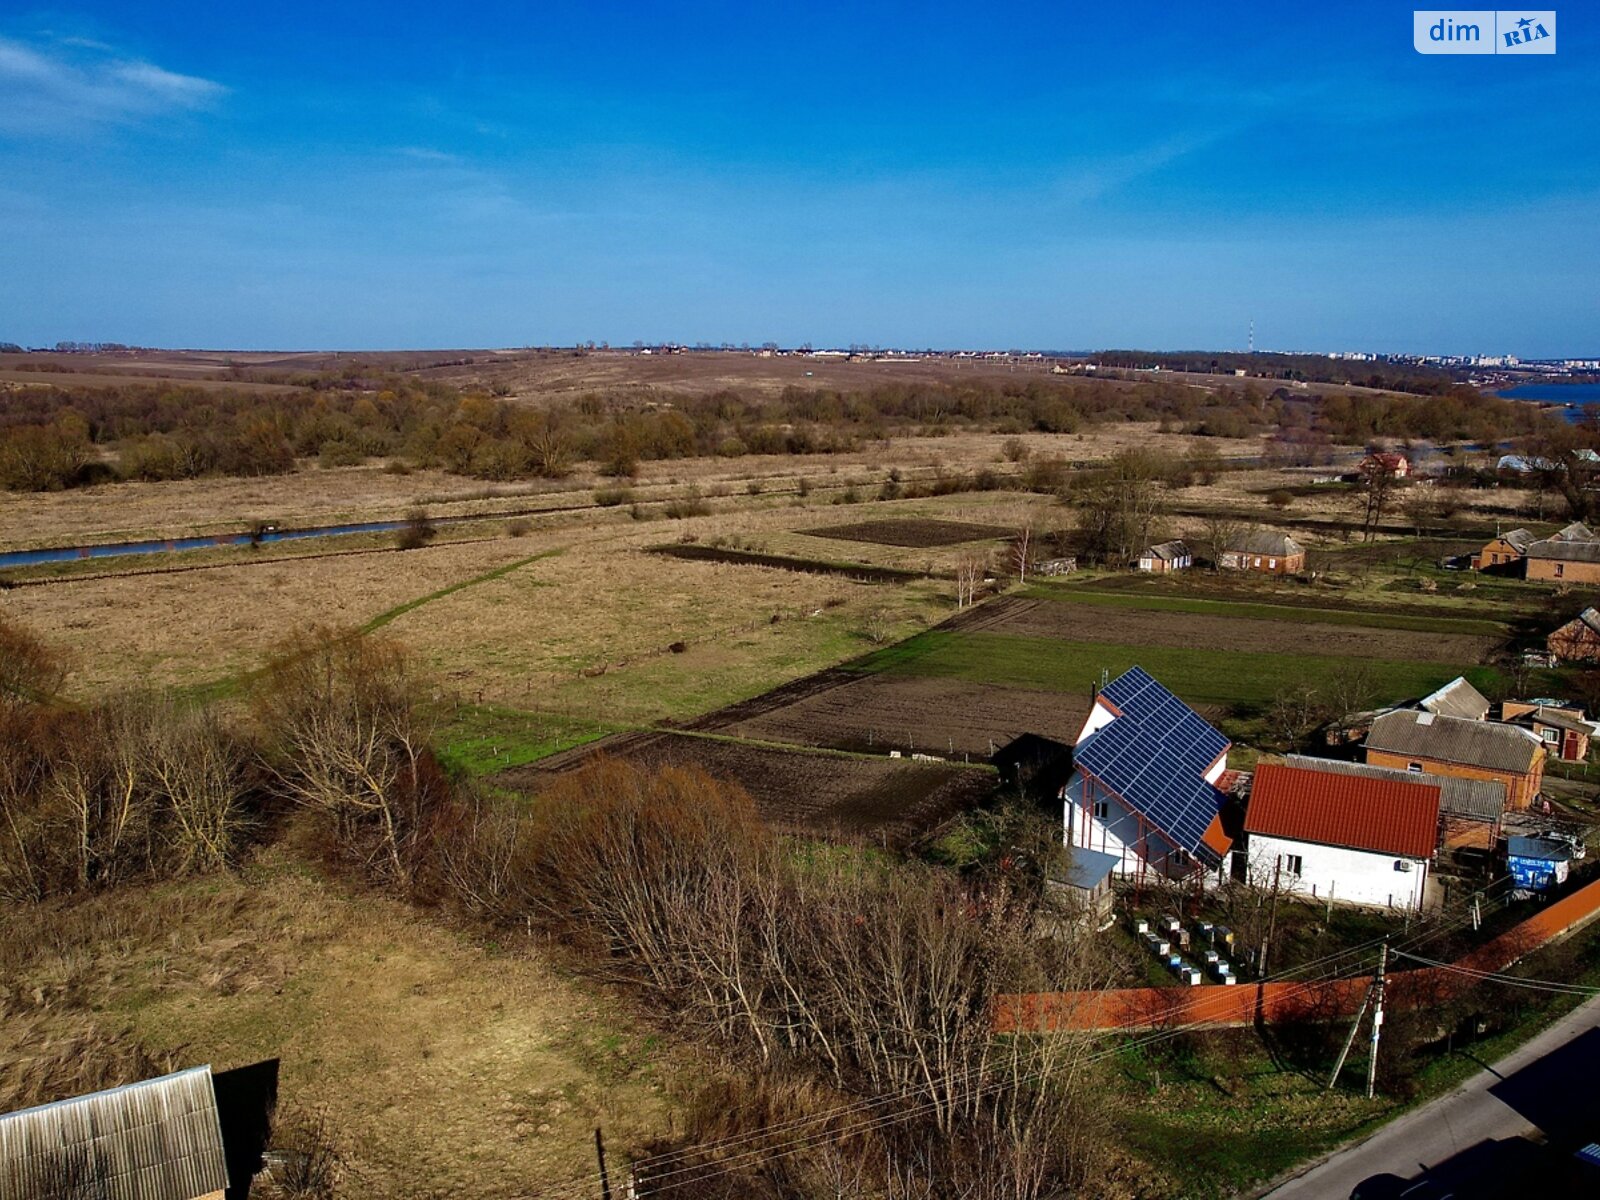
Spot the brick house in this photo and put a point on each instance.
(1164, 557)
(1337, 836)
(1571, 556)
(1386, 463)
(1578, 640)
(1560, 727)
(1504, 553)
(1265, 552)
(1422, 742)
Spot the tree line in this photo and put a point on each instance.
(59, 437)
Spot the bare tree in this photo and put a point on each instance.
(349, 740)
(1021, 552)
(1119, 506)
(1221, 531)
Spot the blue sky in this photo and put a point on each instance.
(1062, 176)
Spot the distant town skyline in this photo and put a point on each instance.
(401, 176)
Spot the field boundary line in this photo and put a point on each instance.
(400, 610)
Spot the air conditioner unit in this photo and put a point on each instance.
(1402, 864)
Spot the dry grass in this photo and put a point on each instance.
(312, 496)
(446, 1068)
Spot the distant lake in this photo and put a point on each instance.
(1583, 395)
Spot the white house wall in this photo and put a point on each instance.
(1352, 876)
(1099, 717)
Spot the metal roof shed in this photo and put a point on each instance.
(160, 1139)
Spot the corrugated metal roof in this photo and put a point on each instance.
(1559, 719)
(160, 1139)
(1261, 541)
(1458, 698)
(1485, 744)
(1476, 799)
(1167, 551)
(1087, 868)
(1332, 808)
(1565, 551)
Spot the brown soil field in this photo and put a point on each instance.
(890, 801)
(912, 533)
(445, 1068)
(1060, 618)
(862, 572)
(844, 710)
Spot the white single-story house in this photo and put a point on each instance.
(1332, 835)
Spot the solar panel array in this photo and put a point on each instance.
(1155, 756)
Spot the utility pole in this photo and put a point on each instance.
(1350, 1039)
(600, 1153)
(1377, 1018)
(1272, 919)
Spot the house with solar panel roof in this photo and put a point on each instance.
(1150, 785)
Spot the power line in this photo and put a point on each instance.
(800, 1142)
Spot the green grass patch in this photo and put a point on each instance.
(1245, 682)
(483, 738)
(1294, 614)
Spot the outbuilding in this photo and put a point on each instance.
(1164, 557)
(1578, 640)
(160, 1139)
(1538, 864)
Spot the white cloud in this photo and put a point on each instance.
(70, 85)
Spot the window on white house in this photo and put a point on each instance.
(1102, 809)
(1294, 864)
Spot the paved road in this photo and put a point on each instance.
(1450, 1125)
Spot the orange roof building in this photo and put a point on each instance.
(1356, 839)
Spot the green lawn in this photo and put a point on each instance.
(1297, 614)
(1244, 682)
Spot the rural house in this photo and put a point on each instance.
(1470, 810)
(1387, 463)
(1342, 837)
(1504, 552)
(1560, 727)
(1164, 557)
(1572, 556)
(160, 1139)
(1578, 640)
(1458, 698)
(1260, 550)
(1422, 742)
(1145, 784)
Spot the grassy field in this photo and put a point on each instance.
(446, 1067)
(1267, 611)
(1246, 682)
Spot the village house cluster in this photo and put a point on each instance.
(1151, 798)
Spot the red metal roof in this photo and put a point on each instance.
(1382, 815)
